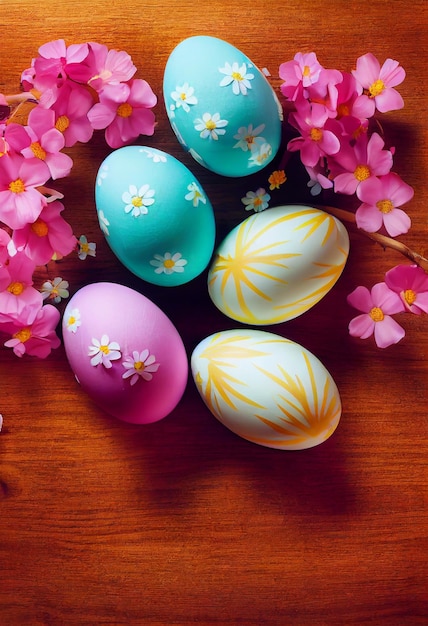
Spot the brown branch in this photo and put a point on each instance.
(383, 240)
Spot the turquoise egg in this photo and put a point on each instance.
(221, 107)
(155, 215)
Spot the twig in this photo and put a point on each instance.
(382, 240)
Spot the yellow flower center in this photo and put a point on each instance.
(124, 110)
(137, 201)
(84, 247)
(16, 288)
(17, 186)
(71, 320)
(169, 263)
(376, 88)
(23, 335)
(306, 71)
(410, 296)
(139, 365)
(316, 134)
(104, 349)
(210, 125)
(62, 123)
(38, 151)
(40, 228)
(237, 76)
(385, 206)
(257, 201)
(376, 314)
(362, 172)
(182, 96)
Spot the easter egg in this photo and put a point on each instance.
(125, 352)
(154, 214)
(277, 264)
(221, 106)
(266, 389)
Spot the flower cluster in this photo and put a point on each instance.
(71, 91)
(332, 120)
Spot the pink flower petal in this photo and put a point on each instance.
(361, 299)
(361, 326)
(388, 332)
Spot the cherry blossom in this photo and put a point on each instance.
(37, 338)
(378, 83)
(315, 139)
(124, 111)
(18, 298)
(102, 67)
(377, 307)
(302, 71)
(411, 283)
(381, 197)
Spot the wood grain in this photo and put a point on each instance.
(182, 522)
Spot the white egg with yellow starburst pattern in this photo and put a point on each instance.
(277, 264)
(266, 389)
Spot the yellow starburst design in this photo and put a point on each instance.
(240, 265)
(221, 386)
(301, 419)
(316, 222)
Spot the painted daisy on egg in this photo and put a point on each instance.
(195, 194)
(55, 289)
(73, 321)
(86, 248)
(137, 199)
(104, 351)
(249, 137)
(140, 365)
(168, 263)
(103, 222)
(237, 76)
(156, 157)
(211, 126)
(183, 96)
(261, 155)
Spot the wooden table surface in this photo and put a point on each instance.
(181, 521)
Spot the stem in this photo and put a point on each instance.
(383, 240)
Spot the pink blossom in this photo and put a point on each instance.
(302, 71)
(50, 66)
(71, 108)
(37, 338)
(315, 140)
(324, 92)
(103, 67)
(49, 235)
(16, 138)
(17, 296)
(20, 201)
(124, 112)
(317, 179)
(381, 197)
(411, 283)
(377, 307)
(46, 143)
(359, 162)
(378, 83)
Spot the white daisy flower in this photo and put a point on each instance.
(140, 365)
(138, 199)
(211, 126)
(195, 194)
(86, 248)
(103, 222)
(73, 321)
(237, 76)
(183, 96)
(55, 289)
(104, 351)
(261, 155)
(156, 157)
(168, 263)
(249, 137)
(256, 200)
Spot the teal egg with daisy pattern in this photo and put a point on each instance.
(154, 214)
(221, 106)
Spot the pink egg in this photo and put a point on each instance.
(125, 352)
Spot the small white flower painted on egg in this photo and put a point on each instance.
(73, 321)
(138, 199)
(237, 76)
(210, 126)
(103, 222)
(195, 195)
(140, 365)
(184, 97)
(104, 351)
(168, 263)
